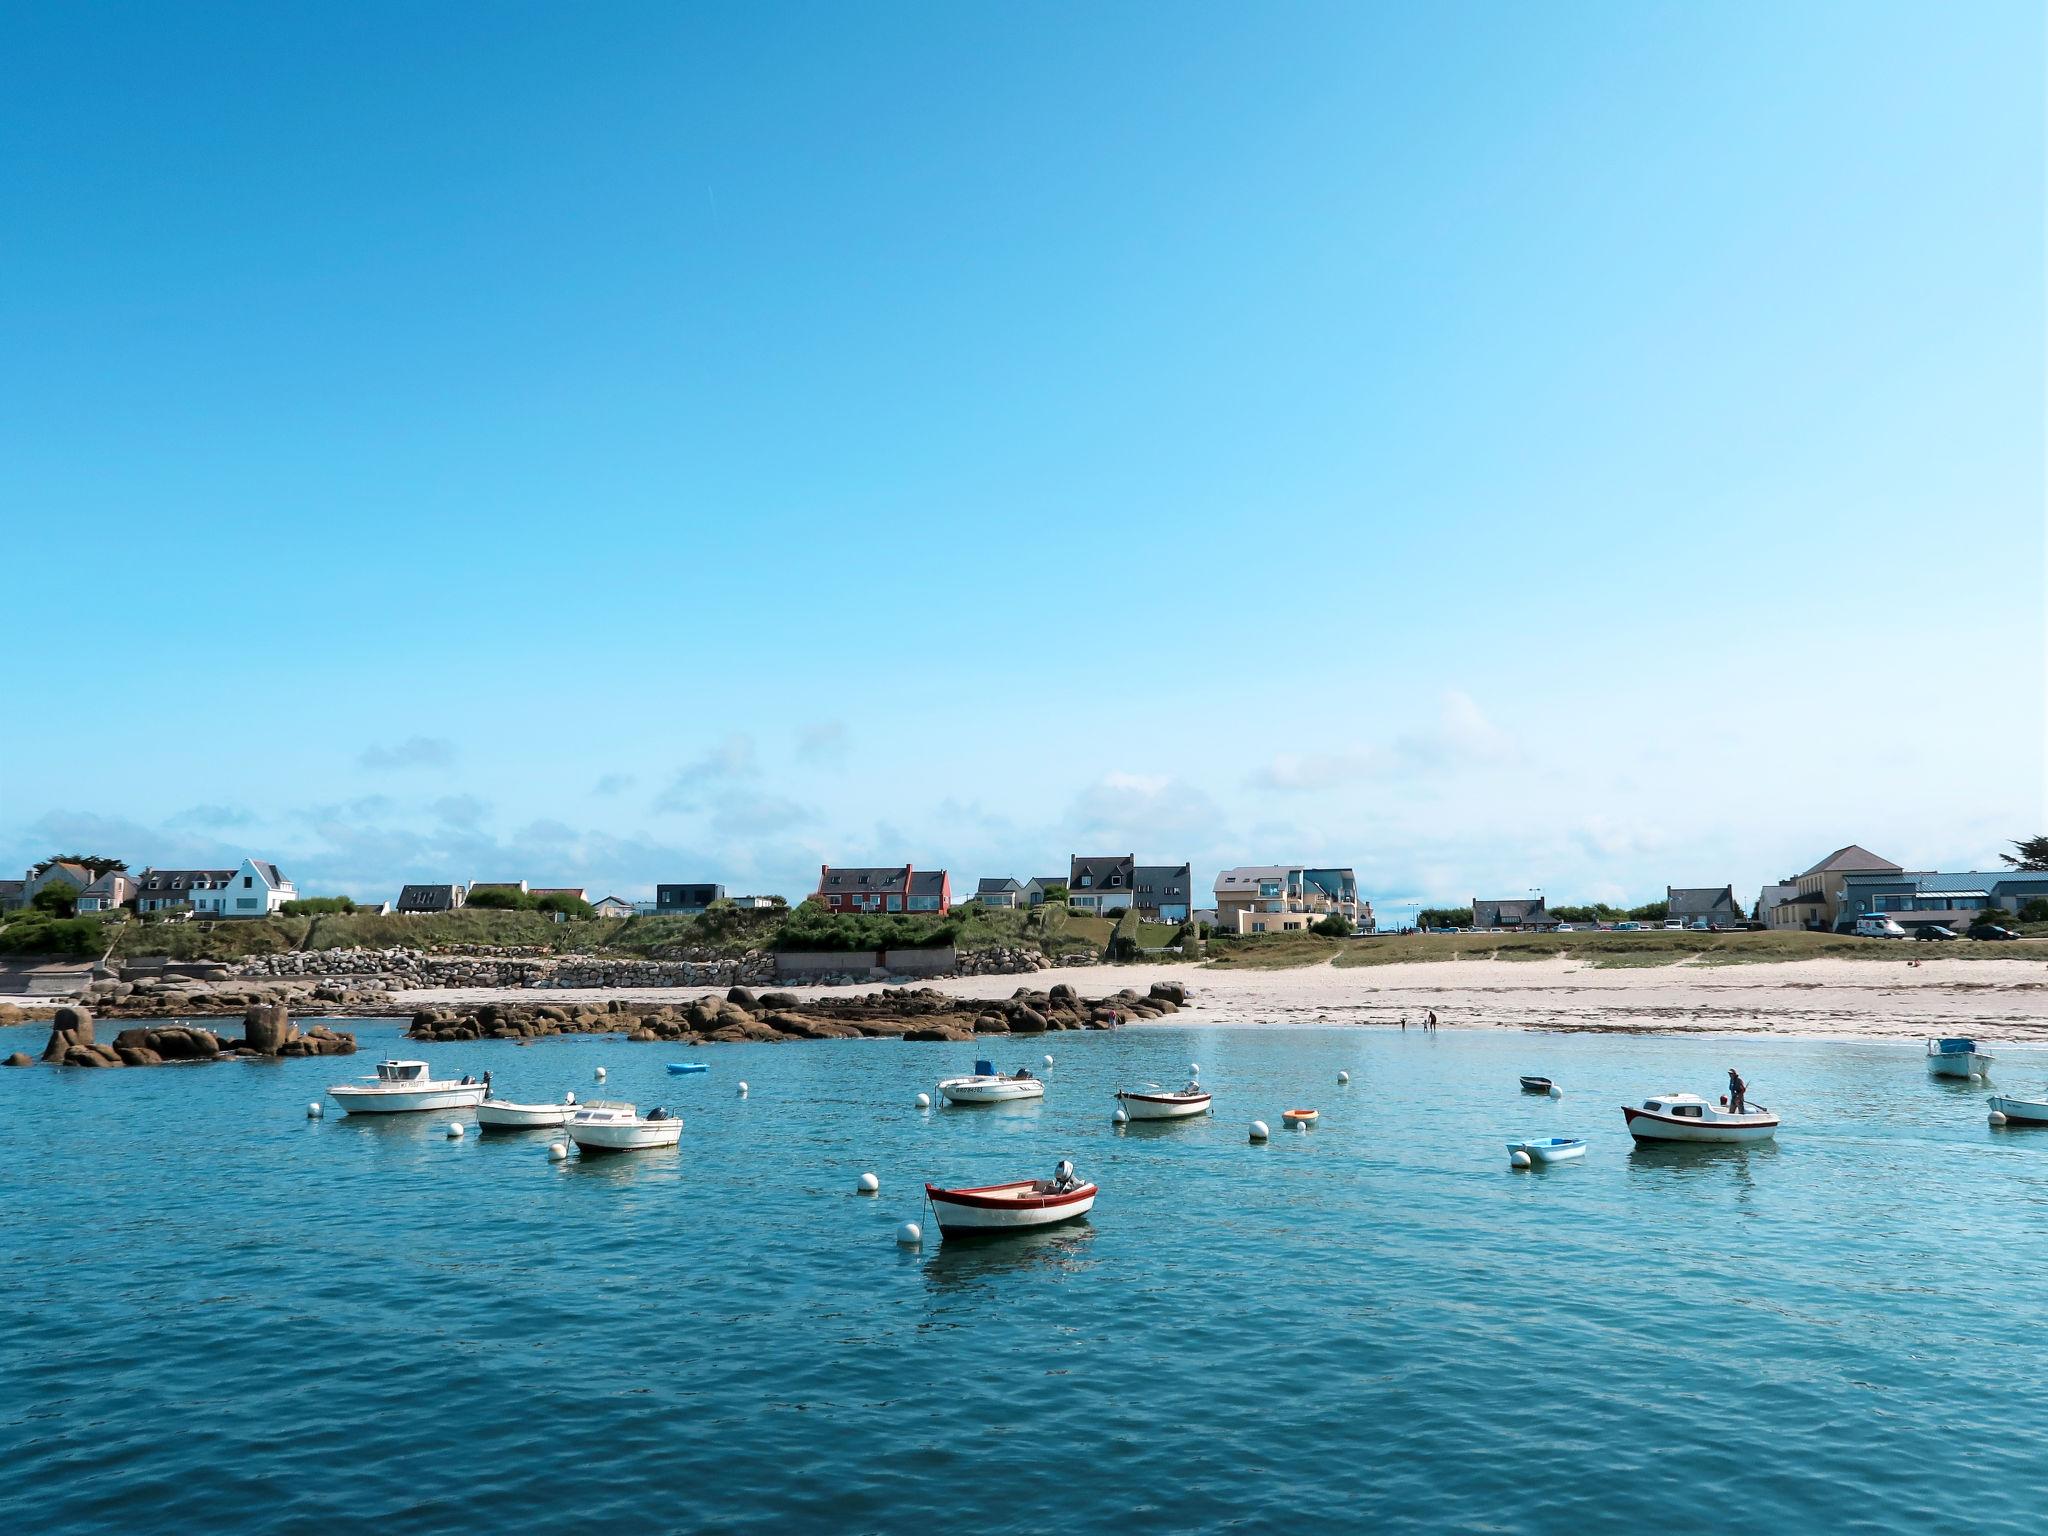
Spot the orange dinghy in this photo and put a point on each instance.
(1300, 1119)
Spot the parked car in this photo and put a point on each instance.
(1933, 931)
(1674, 925)
(1627, 927)
(1991, 931)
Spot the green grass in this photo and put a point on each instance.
(1275, 951)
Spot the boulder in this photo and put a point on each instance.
(991, 1024)
(740, 997)
(1170, 992)
(1027, 1021)
(784, 1001)
(70, 1031)
(138, 1056)
(267, 1027)
(9, 1014)
(21, 1059)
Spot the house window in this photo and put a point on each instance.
(1116, 879)
(1269, 887)
(1086, 878)
(895, 903)
(247, 881)
(924, 903)
(247, 903)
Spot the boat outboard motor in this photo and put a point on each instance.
(659, 1112)
(1063, 1175)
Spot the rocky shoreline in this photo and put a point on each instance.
(267, 1030)
(906, 1013)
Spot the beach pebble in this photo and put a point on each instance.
(1259, 1131)
(870, 1185)
(909, 1235)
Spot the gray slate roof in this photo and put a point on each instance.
(1701, 901)
(928, 882)
(1850, 856)
(175, 882)
(1165, 880)
(855, 880)
(1105, 873)
(428, 898)
(996, 884)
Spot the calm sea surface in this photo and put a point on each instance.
(223, 1316)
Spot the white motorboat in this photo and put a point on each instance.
(1688, 1117)
(1015, 1207)
(1551, 1149)
(401, 1086)
(2021, 1111)
(1158, 1104)
(985, 1085)
(504, 1115)
(1957, 1056)
(608, 1125)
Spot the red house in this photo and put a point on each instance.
(901, 889)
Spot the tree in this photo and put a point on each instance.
(59, 898)
(1650, 912)
(1445, 917)
(92, 863)
(2034, 912)
(2033, 853)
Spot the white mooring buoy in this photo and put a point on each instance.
(315, 1110)
(455, 1130)
(600, 1074)
(924, 1101)
(1556, 1092)
(1343, 1077)
(870, 1185)
(1519, 1158)
(743, 1090)
(1194, 1069)
(558, 1151)
(1998, 1117)
(1259, 1131)
(1048, 1061)
(909, 1235)
(1121, 1117)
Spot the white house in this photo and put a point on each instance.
(254, 890)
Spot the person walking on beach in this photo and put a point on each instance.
(1736, 1089)
(1432, 1021)
(1404, 1023)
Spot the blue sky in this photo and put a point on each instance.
(1583, 447)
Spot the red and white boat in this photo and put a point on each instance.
(1688, 1117)
(1158, 1104)
(1016, 1207)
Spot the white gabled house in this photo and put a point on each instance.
(254, 890)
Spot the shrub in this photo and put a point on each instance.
(40, 933)
(309, 906)
(2035, 911)
(1333, 925)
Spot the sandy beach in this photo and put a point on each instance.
(1845, 999)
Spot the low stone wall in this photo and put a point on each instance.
(404, 969)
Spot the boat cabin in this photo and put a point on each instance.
(1951, 1045)
(1680, 1106)
(401, 1072)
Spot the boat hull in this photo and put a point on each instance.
(499, 1114)
(1963, 1064)
(1647, 1126)
(1558, 1151)
(2021, 1111)
(1163, 1106)
(402, 1101)
(1536, 1085)
(626, 1138)
(997, 1208)
(984, 1090)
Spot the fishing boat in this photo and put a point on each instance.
(1537, 1085)
(1551, 1149)
(683, 1068)
(987, 1086)
(1688, 1117)
(1014, 1207)
(1300, 1119)
(2020, 1111)
(505, 1115)
(608, 1125)
(1158, 1104)
(403, 1086)
(1957, 1056)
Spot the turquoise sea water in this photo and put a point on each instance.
(223, 1316)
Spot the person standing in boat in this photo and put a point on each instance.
(1736, 1089)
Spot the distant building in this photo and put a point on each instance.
(1771, 895)
(1037, 886)
(1703, 907)
(757, 903)
(10, 895)
(612, 906)
(257, 889)
(163, 890)
(1269, 890)
(573, 892)
(77, 876)
(373, 908)
(116, 888)
(1929, 898)
(1165, 892)
(431, 898)
(999, 891)
(898, 888)
(1817, 894)
(1522, 914)
(686, 900)
(1102, 884)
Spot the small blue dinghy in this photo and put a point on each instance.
(1551, 1149)
(678, 1068)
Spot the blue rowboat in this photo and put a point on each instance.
(1551, 1149)
(678, 1068)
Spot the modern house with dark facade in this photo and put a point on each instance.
(1929, 899)
(899, 888)
(432, 898)
(1165, 892)
(1105, 883)
(686, 900)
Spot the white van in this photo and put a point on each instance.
(1875, 925)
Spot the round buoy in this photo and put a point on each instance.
(1121, 1117)
(1194, 1069)
(600, 1074)
(909, 1235)
(1998, 1117)
(1048, 1061)
(1343, 1077)
(1976, 1077)
(1519, 1158)
(743, 1090)
(454, 1130)
(924, 1101)
(558, 1151)
(315, 1110)
(1556, 1092)
(870, 1185)
(1259, 1131)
